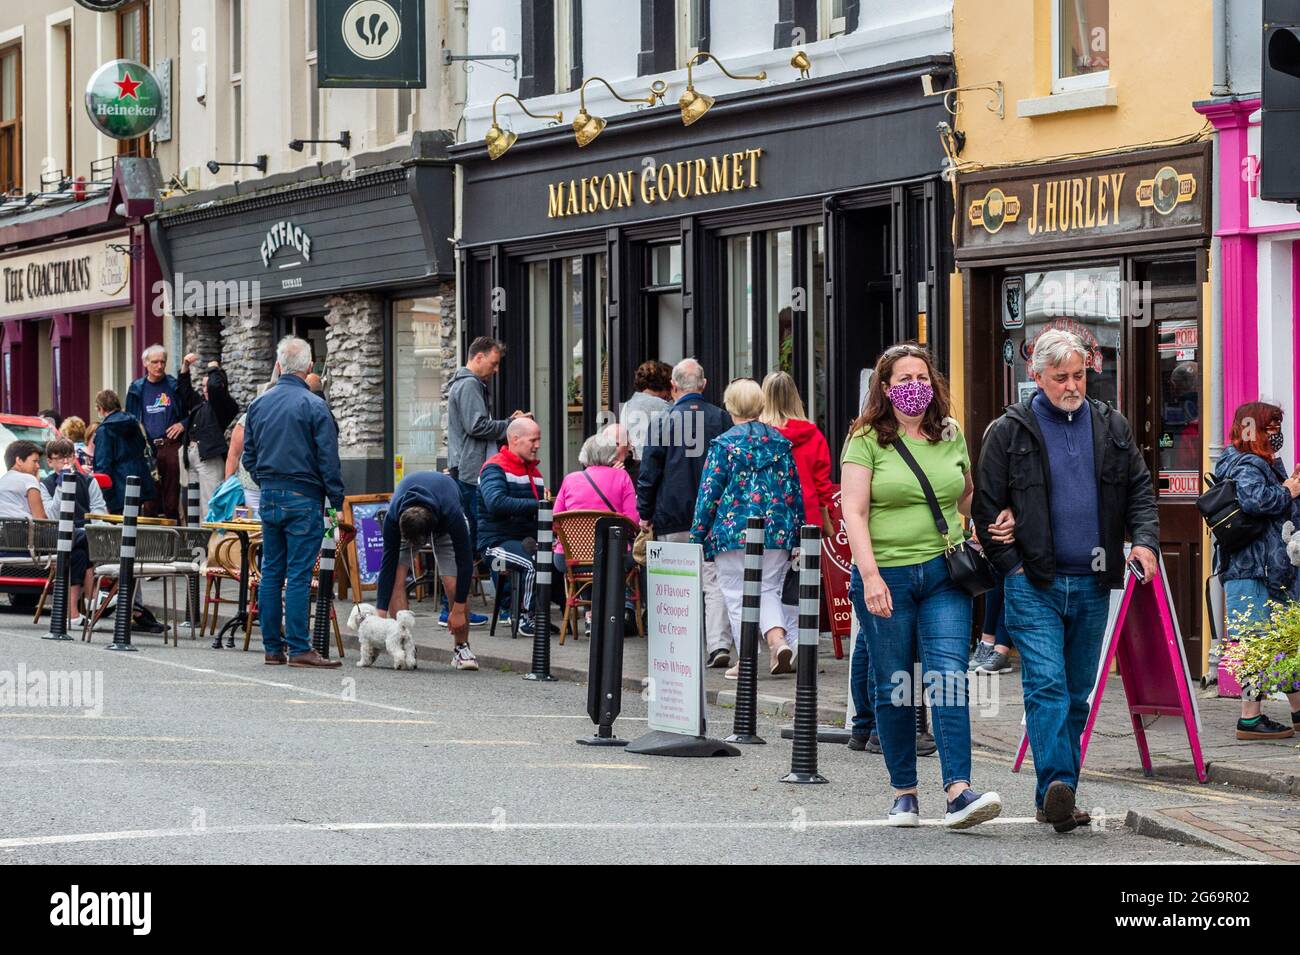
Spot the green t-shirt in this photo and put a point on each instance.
(901, 525)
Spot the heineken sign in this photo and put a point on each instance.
(370, 44)
(124, 99)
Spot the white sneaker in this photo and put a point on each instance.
(462, 657)
(78, 623)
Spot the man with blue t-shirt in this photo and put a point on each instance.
(154, 400)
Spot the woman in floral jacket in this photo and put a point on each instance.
(750, 472)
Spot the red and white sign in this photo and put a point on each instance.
(837, 566)
(1186, 483)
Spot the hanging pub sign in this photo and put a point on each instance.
(101, 6)
(124, 100)
(370, 44)
(1156, 194)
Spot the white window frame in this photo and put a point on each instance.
(685, 35)
(309, 61)
(829, 25)
(1068, 84)
(110, 326)
(236, 77)
(563, 45)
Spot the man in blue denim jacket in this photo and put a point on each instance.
(291, 450)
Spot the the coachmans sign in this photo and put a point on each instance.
(66, 278)
(1159, 193)
(654, 183)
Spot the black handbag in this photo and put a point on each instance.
(1231, 527)
(968, 567)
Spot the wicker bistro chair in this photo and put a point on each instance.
(18, 558)
(155, 557)
(223, 564)
(576, 532)
(43, 547)
(255, 587)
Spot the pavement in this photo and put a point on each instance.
(192, 755)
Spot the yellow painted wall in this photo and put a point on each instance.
(1160, 63)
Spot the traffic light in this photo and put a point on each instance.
(1279, 151)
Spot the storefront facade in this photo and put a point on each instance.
(74, 294)
(357, 261)
(799, 227)
(1115, 249)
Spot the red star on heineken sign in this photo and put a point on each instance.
(127, 86)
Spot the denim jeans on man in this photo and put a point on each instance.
(861, 685)
(292, 529)
(932, 619)
(1059, 632)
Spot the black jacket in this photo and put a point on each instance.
(672, 462)
(1013, 472)
(208, 420)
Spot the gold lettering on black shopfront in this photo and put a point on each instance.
(662, 182)
(1068, 205)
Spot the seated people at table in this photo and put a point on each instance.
(426, 507)
(20, 489)
(120, 451)
(90, 500)
(510, 487)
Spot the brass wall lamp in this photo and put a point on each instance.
(695, 104)
(499, 140)
(587, 127)
(801, 63)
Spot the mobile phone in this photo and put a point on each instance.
(1135, 566)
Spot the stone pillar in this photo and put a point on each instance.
(355, 388)
(202, 336)
(247, 353)
(450, 362)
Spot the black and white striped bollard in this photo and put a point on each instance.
(541, 671)
(193, 519)
(126, 568)
(62, 564)
(320, 631)
(803, 760)
(745, 728)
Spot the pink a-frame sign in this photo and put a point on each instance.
(1143, 636)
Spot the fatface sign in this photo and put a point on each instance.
(124, 100)
(1155, 193)
(66, 278)
(285, 233)
(370, 44)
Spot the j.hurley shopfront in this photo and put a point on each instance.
(800, 226)
(356, 259)
(1115, 249)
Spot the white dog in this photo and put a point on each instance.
(394, 634)
(1292, 538)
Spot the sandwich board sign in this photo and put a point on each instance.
(1142, 635)
(675, 647)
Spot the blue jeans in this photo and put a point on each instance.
(861, 683)
(1249, 597)
(932, 618)
(293, 527)
(995, 616)
(1059, 632)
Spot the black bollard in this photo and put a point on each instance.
(62, 563)
(126, 568)
(192, 519)
(745, 729)
(541, 671)
(803, 760)
(605, 676)
(320, 631)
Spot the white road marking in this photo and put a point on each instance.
(126, 835)
(113, 739)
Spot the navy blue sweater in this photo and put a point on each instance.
(1076, 527)
(290, 442)
(439, 493)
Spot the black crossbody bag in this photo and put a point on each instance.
(967, 566)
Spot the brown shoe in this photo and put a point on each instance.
(275, 659)
(1058, 807)
(1081, 817)
(313, 659)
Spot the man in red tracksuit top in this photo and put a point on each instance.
(510, 488)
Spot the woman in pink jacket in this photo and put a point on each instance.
(783, 409)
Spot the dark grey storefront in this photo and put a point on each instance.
(800, 227)
(330, 257)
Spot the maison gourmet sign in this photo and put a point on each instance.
(66, 278)
(654, 184)
(1157, 193)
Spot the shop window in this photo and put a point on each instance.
(817, 397)
(422, 360)
(133, 44)
(1086, 301)
(740, 307)
(11, 120)
(780, 302)
(539, 355)
(119, 357)
(1080, 44)
(664, 333)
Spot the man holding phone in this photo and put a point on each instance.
(1072, 474)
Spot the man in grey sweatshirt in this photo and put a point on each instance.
(473, 435)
